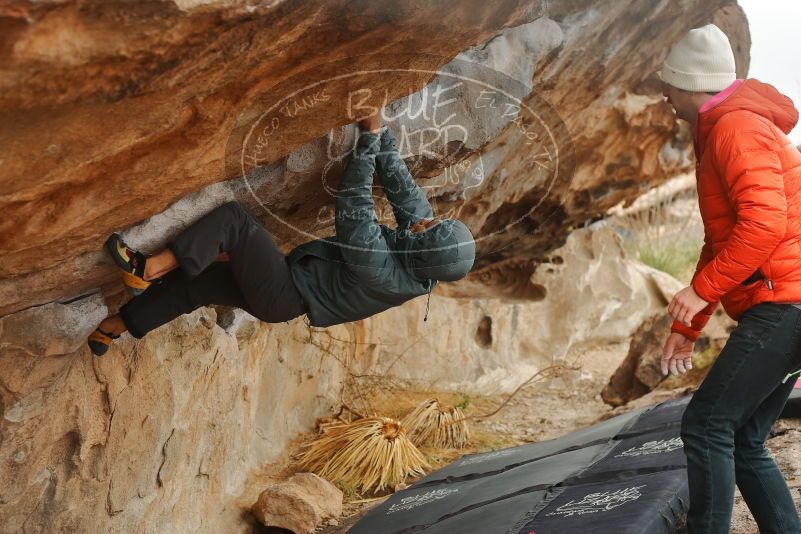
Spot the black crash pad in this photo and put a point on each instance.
(624, 475)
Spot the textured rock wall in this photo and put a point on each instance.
(172, 433)
(591, 293)
(160, 435)
(109, 113)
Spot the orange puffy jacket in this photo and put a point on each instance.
(749, 192)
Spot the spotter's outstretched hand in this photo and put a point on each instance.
(677, 356)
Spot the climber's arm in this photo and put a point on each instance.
(359, 235)
(409, 202)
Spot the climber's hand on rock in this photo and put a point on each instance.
(677, 356)
(685, 305)
(371, 123)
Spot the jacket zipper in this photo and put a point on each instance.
(768, 281)
(765, 280)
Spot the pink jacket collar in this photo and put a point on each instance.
(721, 96)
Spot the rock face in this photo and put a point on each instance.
(164, 433)
(641, 371)
(158, 435)
(301, 504)
(141, 117)
(589, 293)
(110, 113)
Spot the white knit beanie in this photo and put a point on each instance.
(701, 61)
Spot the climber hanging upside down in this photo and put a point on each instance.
(228, 258)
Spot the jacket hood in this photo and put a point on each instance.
(444, 252)
(754, 96)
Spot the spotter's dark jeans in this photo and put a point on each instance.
(256, 278)
(729, 418)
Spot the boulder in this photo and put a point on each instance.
(54, 328)
(112, 113)
(301, 504)
(641, 372)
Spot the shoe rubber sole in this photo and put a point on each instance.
(135, 285)
(99, 342)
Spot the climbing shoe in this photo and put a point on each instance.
(132, 262)
(100, 341)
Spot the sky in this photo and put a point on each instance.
(775, 57)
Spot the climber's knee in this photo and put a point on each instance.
(233, 207)
(238, 211)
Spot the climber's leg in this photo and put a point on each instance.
(259, 267)
(262, 272)
(113, 324)
(179, 294)
(201, 243)
(160, 264)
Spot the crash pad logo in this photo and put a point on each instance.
(598, 502)
(415, 501)
(652, 447)
(454, 128)
(479, 458)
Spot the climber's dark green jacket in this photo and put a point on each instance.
(367, 267)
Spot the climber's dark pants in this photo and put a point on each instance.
(256, 278)
(729, 418)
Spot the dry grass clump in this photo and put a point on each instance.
(435, 424)
(666, 234)
(371, 453)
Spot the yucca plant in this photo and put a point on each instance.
(369, 454)
(435, 424)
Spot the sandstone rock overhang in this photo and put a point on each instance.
(109, 113)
